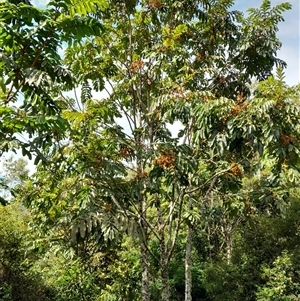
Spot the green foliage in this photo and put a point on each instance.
(257, 127)
(6, 292)
(115, 192)
(282, 280)
(15, 173)
(32, 71)
(17, 280)
(75, 283)
(265, 261)
(83, 7)
(122, 276)
(259, 45)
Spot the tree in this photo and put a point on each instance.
(15, 172)
(161, 62)
(160, 68)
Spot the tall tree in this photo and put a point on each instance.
(161, 62)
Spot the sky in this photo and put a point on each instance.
(289, 34)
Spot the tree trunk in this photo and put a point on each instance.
(164, 261)
(145, 272)
(188, 266)
(165, 291)
(144, 250)
(229, 245)
(143, 239)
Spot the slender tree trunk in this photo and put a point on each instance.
(188, 261)
(145, 272)
(229, 252)
(188, 266)
(144, 250)
(143, 235)
(229, 245)
(164, 261)
(165, 290)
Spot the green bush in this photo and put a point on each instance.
(282, 280)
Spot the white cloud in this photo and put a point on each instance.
(40, 3)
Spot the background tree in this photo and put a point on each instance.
(15, 172)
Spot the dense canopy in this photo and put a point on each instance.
(122, 204)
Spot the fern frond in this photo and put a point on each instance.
(280, 75)
(86, 92)
(76, 118)
(75, 28)
(85, 7)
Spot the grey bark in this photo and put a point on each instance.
(188, 266)
(164, 260)
(188, 261)
(165, 292)
(145, 272)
